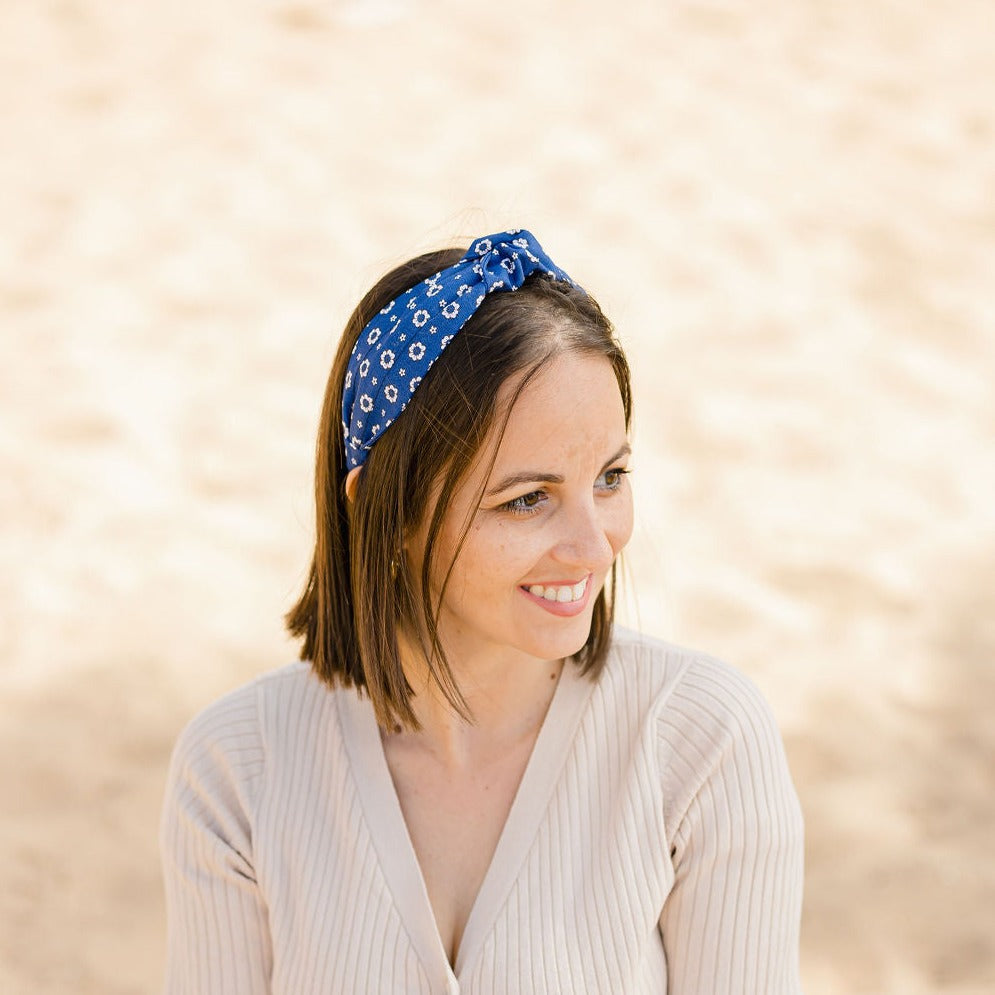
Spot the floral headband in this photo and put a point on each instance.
(398, 347)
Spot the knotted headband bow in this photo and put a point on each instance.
(398, 347)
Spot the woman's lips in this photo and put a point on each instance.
(564, 599)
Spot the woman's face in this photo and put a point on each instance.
(555, 512)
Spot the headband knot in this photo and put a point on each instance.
(398, 347)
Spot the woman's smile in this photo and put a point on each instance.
(559, 590)
(561, 598)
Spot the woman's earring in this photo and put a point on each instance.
(393, 568)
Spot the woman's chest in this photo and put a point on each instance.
(455, 821)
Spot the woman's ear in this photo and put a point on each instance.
(352, 484)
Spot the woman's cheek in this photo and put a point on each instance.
(621, 529)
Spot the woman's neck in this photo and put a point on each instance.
(507, 698)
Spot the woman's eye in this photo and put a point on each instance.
(526, 503)
(612, 479)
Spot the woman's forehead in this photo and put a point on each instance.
(571, 408)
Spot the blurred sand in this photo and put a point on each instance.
(787, 208)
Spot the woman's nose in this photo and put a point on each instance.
(585, 539)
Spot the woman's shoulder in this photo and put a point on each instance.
(240, 721)
(227, 752)
(635, 654)
(693, 695)
(711, 723)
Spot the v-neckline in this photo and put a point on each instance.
(392, 842)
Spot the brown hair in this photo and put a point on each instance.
(359, 592)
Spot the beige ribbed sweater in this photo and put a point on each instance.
(654, 846)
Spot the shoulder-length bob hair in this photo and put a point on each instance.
(359, 594)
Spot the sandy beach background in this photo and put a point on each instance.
(788, 210)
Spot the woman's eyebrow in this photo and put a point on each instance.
(626, 450)
(528, 477)
(534, 477)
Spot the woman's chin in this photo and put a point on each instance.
(563, 644)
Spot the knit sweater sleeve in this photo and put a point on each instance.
(731, 923)
(218, 938)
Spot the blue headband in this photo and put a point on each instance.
(397, 348)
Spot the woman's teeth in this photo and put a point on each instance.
(572, 593)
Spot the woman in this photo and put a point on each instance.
(474, 784)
